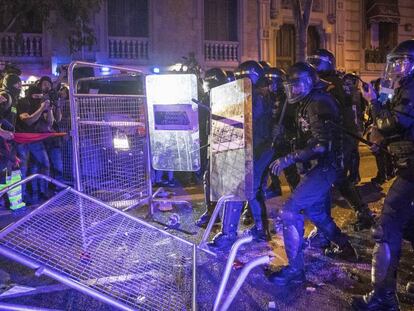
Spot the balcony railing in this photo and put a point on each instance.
(225, 51)
(128, 47)
(376, 56)
(23, 45)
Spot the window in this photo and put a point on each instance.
(314, 40)
(128, 18)
(220, 20)
(285, 46)
(389, 35)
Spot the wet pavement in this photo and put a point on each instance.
(330, 284)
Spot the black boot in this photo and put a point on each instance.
(228, 235)
(345, 252)
(258, 234)
(202, 222)
(247, 218)
(287, 275)
(376, 301)
(317, 239)
(365, 220)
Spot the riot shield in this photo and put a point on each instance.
(231, 142)
(173, 122)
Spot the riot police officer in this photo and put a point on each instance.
(325, 64)
(284, 130)
(262, 124)
(394, 119)
(319, 142)
(213, 77)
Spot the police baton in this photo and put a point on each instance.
(200, 104)
(357, 137)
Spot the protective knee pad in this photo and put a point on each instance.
(293, 241)
(378, 234)
(380, 262)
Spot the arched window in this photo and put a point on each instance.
(128, 18)
(220, 20)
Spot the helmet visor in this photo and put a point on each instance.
(397, 67)
(297, 89)
(319, 62)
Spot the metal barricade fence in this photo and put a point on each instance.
(103, 252)
(66, 142)
(110, 145)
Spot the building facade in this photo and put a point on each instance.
(159, 33)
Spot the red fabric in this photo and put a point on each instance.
(24, 138)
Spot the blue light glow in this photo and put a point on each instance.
(156, 70)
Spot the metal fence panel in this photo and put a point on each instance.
(94, 247)
(112, 149)
(109, 136)
(66, 142)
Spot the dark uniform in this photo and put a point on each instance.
(284, 133)
(213, 78)
(319, 142)
(324, 63)
(262, 155)
(395, 119)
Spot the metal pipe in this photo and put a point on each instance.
(242, 277)
(194, 302)
(61, 278)
(228, 268)
(108, 95)
(74, 125)
(31, 177)
(86, 290)
(213, 218)
(13, 307)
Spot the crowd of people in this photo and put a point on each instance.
(307, 124)
(28, 143)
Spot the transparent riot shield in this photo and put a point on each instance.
(231, 142)
(173, 122)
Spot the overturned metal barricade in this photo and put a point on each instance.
(103, 252)
(109, 136)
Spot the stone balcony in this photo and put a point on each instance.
(26, 46)
(128, 48)
(221, 53)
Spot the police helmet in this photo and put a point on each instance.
(9, 83)
(322, 60)
(301, 79)
(214, 77)
(276, 76)
(400, 64)
(250, 69)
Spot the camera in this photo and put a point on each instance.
(52, 96)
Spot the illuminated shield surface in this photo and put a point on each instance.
(173, 122)
(231, 151)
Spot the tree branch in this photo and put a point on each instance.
(12, 22)
(307, 12)
(296, 10)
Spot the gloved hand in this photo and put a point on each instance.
(277, 166)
